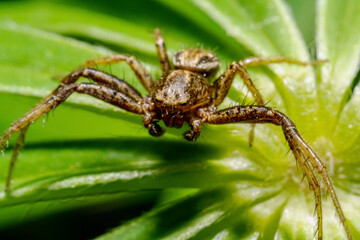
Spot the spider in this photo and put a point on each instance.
(183, 94)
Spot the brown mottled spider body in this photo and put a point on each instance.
(184, 95)
(178, 96)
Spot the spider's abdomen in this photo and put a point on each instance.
(181, 89)
(197, 60)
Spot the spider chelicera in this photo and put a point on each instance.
(183, 95)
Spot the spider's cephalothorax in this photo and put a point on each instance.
(180, 93)
(183, 95)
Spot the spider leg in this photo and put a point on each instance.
(54, 99)
(97, 76)
(300, 148)
(192, 134)
(135, 65)
(102, 78)
(257, 61)
(18, 146)
(161, 51)
(154, 128)
(224, 82)
(321, 169)
(314, 184)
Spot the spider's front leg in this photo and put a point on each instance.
(58, 96)
(313, 182)
(305, 155)
(223, 83)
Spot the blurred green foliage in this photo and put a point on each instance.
(89, 167)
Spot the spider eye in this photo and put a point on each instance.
(183, 104)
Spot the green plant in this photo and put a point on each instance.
(91, 154)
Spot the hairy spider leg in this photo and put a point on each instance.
(101, 78)
(58, 96)
(321, 169)
(161, 51)
(224, 82)
(314, 184)
(258, 61)
(17, 148)
(97, 76)
(140, 72)
(104, 79)
(301, 149)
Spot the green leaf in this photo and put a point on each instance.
(338, 41)
(88, 154)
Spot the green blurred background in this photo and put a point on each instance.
(89, 217)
